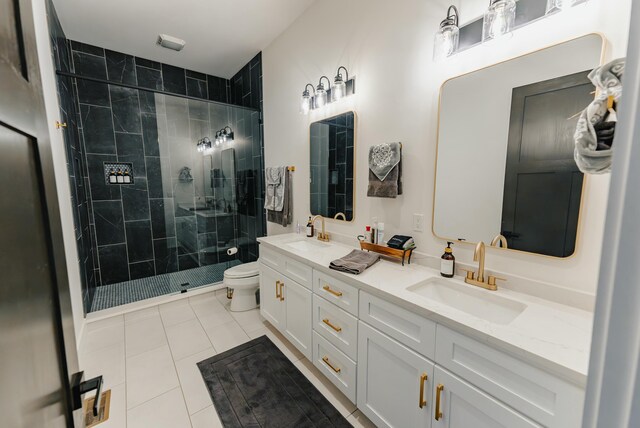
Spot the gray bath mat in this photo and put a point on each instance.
(255, 385)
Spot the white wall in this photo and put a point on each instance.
(52, 107)
(475, 113)
(388, 45)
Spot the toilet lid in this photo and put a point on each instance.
(245, 270)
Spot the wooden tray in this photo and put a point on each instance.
(388, 251)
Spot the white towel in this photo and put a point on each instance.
(275, 188)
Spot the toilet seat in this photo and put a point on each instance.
(245, 270)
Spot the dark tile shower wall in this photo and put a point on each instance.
(246, 90)
(136, 231)
(341, 160)
(76, 165)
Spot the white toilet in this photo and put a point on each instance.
(244, 280)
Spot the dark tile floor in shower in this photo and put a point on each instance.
(108, 296)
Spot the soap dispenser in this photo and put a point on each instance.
(448, 262)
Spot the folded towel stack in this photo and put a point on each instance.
(355, 262)
(385, 170)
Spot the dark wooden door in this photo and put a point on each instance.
(543, 186)
(37, 341)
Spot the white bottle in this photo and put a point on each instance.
(380, 232)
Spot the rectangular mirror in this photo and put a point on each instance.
(332, 144)
(505, 150)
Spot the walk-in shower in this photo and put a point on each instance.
(167, 188)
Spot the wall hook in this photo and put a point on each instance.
(60, 125)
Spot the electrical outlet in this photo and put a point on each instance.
(418, 222)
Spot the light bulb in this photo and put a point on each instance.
(321, 97)
(339, 88)
(498, 19)
(305, 104)
(446, 41)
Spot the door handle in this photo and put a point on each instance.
(326, 361)
(80, 387)
(281, 291)
(421, 401)
(277, 289)
(438, 414)
(334, 292)
(327, 322)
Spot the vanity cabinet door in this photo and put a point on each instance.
(297, 307)
(394, 383)
(461, 405)
(271, 307)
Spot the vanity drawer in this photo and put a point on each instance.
(410, 329)
(299, 272)
(335, 365)
(335, 291)
(535, 393)
(270, 258)
(335, 325)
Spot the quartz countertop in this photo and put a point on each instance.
(549, 335)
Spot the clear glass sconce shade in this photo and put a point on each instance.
(498, 19)
(321, 97)
(446, 41)
(559, 5)
(305, 103)
(339, 89)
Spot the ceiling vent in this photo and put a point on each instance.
(171, 42)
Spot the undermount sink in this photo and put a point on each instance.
(307, 245)
(466, 298)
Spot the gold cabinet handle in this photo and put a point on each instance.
(281, 291)
(326, 361)
(327, 322)
(334, 292)
(421, 401)
(439, 390)
(277, 289)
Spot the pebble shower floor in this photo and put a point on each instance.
(121, 293)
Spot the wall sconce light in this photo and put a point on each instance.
(204, 144)
(323, 95)
(559, 5)
(224, 135)
(498, 19)
(339, 88)
(307, 101)
(446, 40)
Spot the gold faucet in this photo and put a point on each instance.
(499, 239)
(322, 236)
(478, 279)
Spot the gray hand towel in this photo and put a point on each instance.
(385, 170)
(608, 80)
(285, 216)
(355, 262)
(275, 184)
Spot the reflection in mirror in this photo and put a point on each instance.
(332, 144)
(505, 150)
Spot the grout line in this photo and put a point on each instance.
(175, 367)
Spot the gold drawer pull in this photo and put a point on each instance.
(327, 322)
(277, 289)
(334, 292)
(326, 361)
(421, 401)
(438, 414)
(281, 291)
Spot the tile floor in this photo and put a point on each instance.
(148, 360)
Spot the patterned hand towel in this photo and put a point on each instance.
(385, 170)
(275, 187)
(285, 216)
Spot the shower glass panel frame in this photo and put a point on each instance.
(188, 215)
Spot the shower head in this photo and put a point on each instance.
(171, 42)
